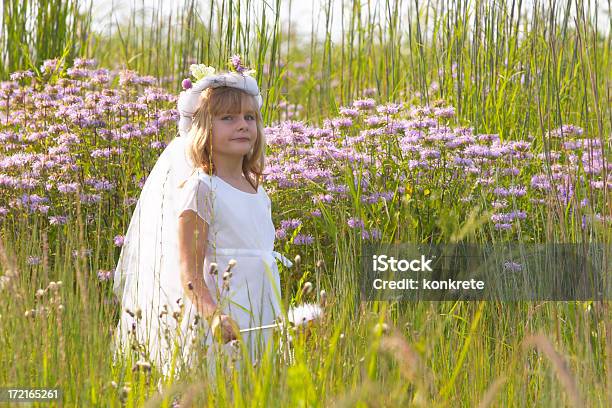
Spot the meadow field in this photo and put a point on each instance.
(434, 122)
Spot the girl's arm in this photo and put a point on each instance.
(193, 236)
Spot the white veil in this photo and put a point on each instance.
(147, 276)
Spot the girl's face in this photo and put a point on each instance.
(234, 134)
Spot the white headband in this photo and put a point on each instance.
(189, 99)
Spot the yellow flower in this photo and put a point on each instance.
(200, 71)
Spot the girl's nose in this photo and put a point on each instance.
(242, 123)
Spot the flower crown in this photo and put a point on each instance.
(199, 71)
(206, 77)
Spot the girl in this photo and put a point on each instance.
(198, 257)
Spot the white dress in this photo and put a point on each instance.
(158, 322)
(240, 228)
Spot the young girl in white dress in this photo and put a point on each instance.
(198, 258)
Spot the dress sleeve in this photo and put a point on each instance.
(196, 195)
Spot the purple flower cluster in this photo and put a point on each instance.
(512, 191)
(355, 223)
(566, 131)
(79, 137)
(388, 143)
(290, 224)
(364, 104)
(287, 226)
(64, 136)
(349, 112)
(507, 218)
(58, 220)
(236, 64)
(372, 235)
(104, 276)
(511, 266)
(303, 239)
(119, 240)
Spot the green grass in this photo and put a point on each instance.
(443, 354)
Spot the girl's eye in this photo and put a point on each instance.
(226, 117)
(250, 117)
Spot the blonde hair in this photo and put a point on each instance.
(215, 101)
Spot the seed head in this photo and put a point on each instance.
(142, 365)
(214, 269)
(381, 328)
(124, 392)
(307, 288)
(323, 296)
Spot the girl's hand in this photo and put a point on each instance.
(224, 326)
